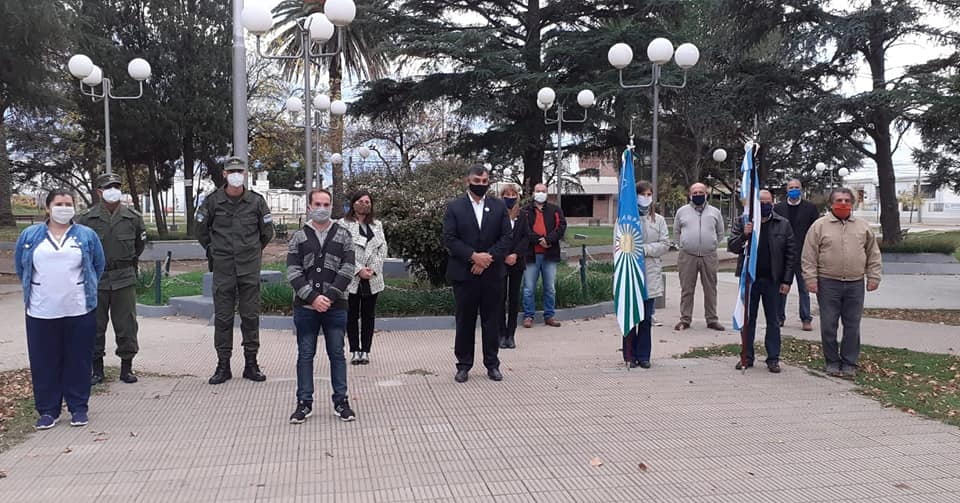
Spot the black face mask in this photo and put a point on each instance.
(479, 190)
(766, 209)
(509, 201)
(698, 200)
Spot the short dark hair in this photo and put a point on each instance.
(60, 191)
(842, 190)
(351, 215)
(643, 186)
(318, 191)
(478, 170)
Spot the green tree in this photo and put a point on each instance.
(940, 154)
(33, 36)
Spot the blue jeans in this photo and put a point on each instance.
(548, 270)
(308, 323)
(638, 348)
(804, 300)
(768, 291)
(61, 354)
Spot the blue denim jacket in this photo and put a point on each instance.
(93, 259)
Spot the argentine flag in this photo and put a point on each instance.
(629, 289)
(749, 188)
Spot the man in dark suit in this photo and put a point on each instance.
(801, 214)
(476, 232)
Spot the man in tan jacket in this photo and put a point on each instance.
(838, 253)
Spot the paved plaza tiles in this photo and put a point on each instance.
(567, 424)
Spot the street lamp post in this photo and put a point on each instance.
(545, 100)
(823, 168)
(315, 28)
(91, 75)
(321, 103)
(659, 51)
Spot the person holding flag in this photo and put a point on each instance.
(774, 258)
(629, 286)
(656, 242)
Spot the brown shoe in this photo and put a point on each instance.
(807, 326)
(716, 326)
(681, 326)
(774, 367)
(527, 322)
(551, 322)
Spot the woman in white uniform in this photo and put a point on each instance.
(59, 264)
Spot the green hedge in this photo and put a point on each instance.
(926, 242)
(401, 298)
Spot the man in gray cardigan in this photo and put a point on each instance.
(698, 228)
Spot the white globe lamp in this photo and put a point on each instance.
(586, 98)
(620, 55)
(659, 51)
(80, 66)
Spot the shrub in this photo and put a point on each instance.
(411, 205)
(946, 243)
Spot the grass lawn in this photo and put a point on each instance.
(596, 236)
(915, 382)
(181, 285)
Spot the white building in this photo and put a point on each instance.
(937, 205)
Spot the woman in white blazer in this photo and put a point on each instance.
(371, 250)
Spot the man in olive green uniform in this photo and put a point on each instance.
(234, 225)
(123, 235)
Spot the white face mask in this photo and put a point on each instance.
(540, 197)
(235, 179)
(644, 201)
(112, 195)
(62, 214)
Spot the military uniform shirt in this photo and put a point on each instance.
(124, 236)
(234, 230)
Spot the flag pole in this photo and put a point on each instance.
(744, 335)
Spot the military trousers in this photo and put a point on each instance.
(234, 293)
(120, 306)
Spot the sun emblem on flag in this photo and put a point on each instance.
(627, 239)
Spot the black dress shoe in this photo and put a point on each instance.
(510, 343)
(494, 374)
(644, 364)
(503, 342)
(462, 375)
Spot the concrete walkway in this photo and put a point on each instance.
(567, 424)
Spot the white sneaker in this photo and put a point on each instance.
(656, 322)
(364, 358)
(356, 358)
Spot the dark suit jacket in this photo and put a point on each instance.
(807, 214)
(463, 237)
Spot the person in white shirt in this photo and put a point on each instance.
(59, 264)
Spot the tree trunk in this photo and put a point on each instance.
(158, 215)
(532, 167)
(189, 160)
(132, 183)
(880, 121)
(336, 137)
(6, 180)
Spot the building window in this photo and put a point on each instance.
(577, 206)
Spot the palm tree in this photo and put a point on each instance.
(360, 56)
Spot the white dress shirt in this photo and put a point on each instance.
(478, 209)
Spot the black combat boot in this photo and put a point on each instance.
(96, 377)
(222, 374)
(252, 371)
(126, 372)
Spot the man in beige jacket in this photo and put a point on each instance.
(838, 253)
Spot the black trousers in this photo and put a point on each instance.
(360, 318)
(512, 282)
(485, 298)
